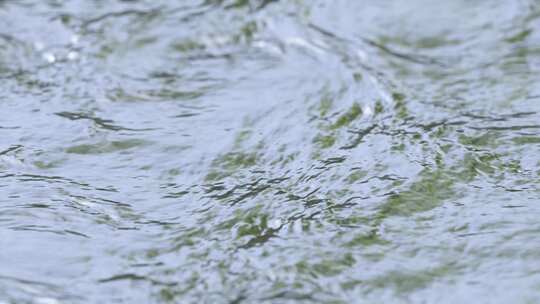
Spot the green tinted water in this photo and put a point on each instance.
(269, 151)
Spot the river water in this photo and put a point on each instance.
(254, 151)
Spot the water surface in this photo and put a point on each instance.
(269, 151)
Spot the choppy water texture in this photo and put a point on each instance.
(269, 151)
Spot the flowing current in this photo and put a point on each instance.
(269, 151)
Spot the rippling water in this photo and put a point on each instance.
(269, 151)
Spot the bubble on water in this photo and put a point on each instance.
(49, 57)
(39, 46)
(73, 55)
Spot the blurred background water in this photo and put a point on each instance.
(267, 151)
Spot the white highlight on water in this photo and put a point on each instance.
(46, 301)
(367, 110)
(49, 57)
(73, 55)
(74, 39)
(39, 46)
(275, 224)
